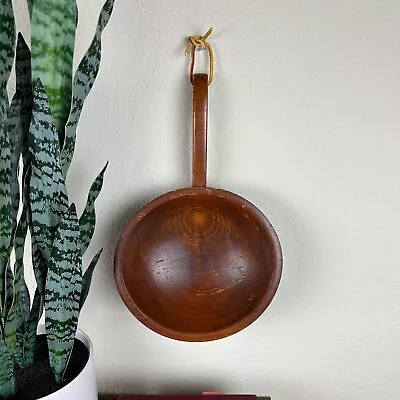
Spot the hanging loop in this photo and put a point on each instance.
(200, 43)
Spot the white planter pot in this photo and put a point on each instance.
(83, 387)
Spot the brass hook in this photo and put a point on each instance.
(200, 42)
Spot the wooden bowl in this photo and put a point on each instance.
(198, 264)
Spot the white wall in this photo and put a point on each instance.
(304, 122)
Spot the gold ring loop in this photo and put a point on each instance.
(200, 42)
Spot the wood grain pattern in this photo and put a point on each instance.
(199, 263)
(200, 125)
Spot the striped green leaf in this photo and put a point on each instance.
(10, 327)
(30, 7)
(24, 303)
(5, 190)
(87, 221)
(24, 313)
(15, 136)
(84, 79)
(62, 294)
(24, 92)
(21, 292)
(7, 381)
(14, 133)
(8, 291)
(87, 278)
(19, 248)
(38, 261)
(39, 265)
(20, 288)
(53, 40)
(26, 336)
(7, 40)
(48, 197)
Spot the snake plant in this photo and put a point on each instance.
(38, 126)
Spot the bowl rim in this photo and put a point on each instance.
(194, 336)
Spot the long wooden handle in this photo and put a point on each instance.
(200, 124)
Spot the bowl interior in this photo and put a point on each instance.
(198, 264)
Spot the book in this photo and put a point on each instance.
(193, 397)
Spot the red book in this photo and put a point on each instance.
(193, 397)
